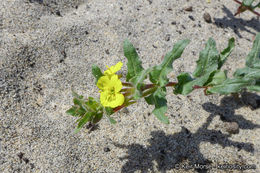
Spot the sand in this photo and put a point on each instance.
(48, 47)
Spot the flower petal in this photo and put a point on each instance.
(113, 69)
(116, 67)
(104, 98)
(112, 100)
(118, 86)
(103, 82)
(118, 101)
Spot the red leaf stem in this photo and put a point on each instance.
(118, 108)
(240, 9)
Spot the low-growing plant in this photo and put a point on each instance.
(248, 5)
(115, 94)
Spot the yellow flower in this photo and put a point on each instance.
(113, 69)
(110, 91)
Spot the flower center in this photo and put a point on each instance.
(112, 94)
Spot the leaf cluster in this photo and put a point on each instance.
(88, 111)
(247, 5)
(208, 73)
(157, 76)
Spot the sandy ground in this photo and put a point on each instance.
(48, 47)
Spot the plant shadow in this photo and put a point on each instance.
(183, 148)
(236, 24)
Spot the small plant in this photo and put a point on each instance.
(247, 5)
(115, 94)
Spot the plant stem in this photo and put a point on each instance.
(148, 92)
(148, 89)
(127, 84)
(171, 84)
(256, 13)
(122, 106)
(118, 108)
(199, 87)
(127, 94)
(124, 89)
(148, 86)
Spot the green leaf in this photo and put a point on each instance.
(248, 72)
(207, 70)
(254, 56)
(137, 82)
(80, 111)
(187, 83)
(254, 88)
(134, 65)
(248, 3)
(77, 101)
(218, 78)
(96, 72)
(231, 86)
(159, 73)
(97, 117)
(109, 111)
(226, 52)
(72, 111)
(92, 104)
(257, 5)
(111, 120)
(183, 79)
(149, 99)
(188, 87)
(208, 59)
(74, 94)
(87, 117)
(159, 101)
(256, 65)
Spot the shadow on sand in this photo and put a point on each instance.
(236, 23)
(170, 150)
